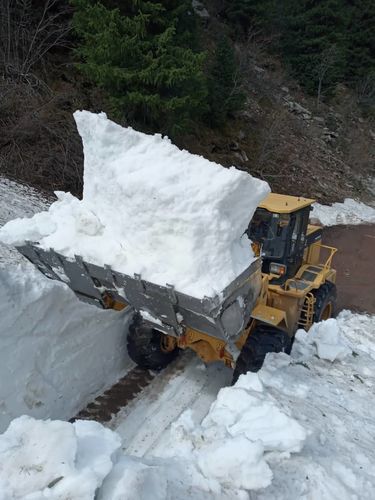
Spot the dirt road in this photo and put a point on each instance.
(355, 264)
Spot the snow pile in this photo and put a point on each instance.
(247, 433)
(349, 212)
(56, 352)
(223, 457)
(54, 459)
(152, 209)
(229, 446)
(359, 330)
(334, 403)
(327, 339)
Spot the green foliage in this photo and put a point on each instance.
(330, 37)
(361, 40)
(252, 13)
(242, 12)
(314, 41)
(225, 95)
(141, 53)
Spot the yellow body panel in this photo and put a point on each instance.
(269, 315)
(207, 347)
(284, 204)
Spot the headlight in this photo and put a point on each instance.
(279, 269)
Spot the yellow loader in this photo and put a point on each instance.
(289, 286)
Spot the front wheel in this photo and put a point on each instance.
(263, 339)
(325, 302)
(147, 346)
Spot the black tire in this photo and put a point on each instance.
(144, 346)
(325, 305)
(263, 339)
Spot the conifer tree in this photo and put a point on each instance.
(361, 40)
(323, 42)
(253, 13)
(224, 83)
(141, 55)
(311, 29)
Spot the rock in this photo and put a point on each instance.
(258, 69)
(241, 155)
(329, 135)
(319, 119)
(244, 155)
(233, 146)
(285, 89)
(296, 108)
(200, 9)
(241, 135)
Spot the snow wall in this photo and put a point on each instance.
(57, 353)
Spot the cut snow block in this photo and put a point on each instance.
(149, 208)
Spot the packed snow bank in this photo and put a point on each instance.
(56, 352)
(349, 212)
(152, 209)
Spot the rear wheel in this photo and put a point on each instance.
(263, 339)
(324, 307)
(325, 302)
(148, 347)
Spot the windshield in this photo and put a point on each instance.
(270, 231)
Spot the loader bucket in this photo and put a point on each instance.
(223, 316)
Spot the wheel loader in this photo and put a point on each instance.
(290, 285)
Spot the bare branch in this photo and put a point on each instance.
(26, 38)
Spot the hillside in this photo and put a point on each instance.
(279, 133)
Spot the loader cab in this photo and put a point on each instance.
(278, 232)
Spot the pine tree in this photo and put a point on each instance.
(224, 84)
(246, 13)
(240, 12)
(361, 40)
(323, 42)
(311, 30)
(141, 56)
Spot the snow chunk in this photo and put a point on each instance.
(149, 317)
(359, 330)
(246, 409)
(349, 212)
(33, 454)
(131, 478)
(54, 459)
(152, 209)
(327, 338)
(230, 444)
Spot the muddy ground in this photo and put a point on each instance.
(355, 265)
